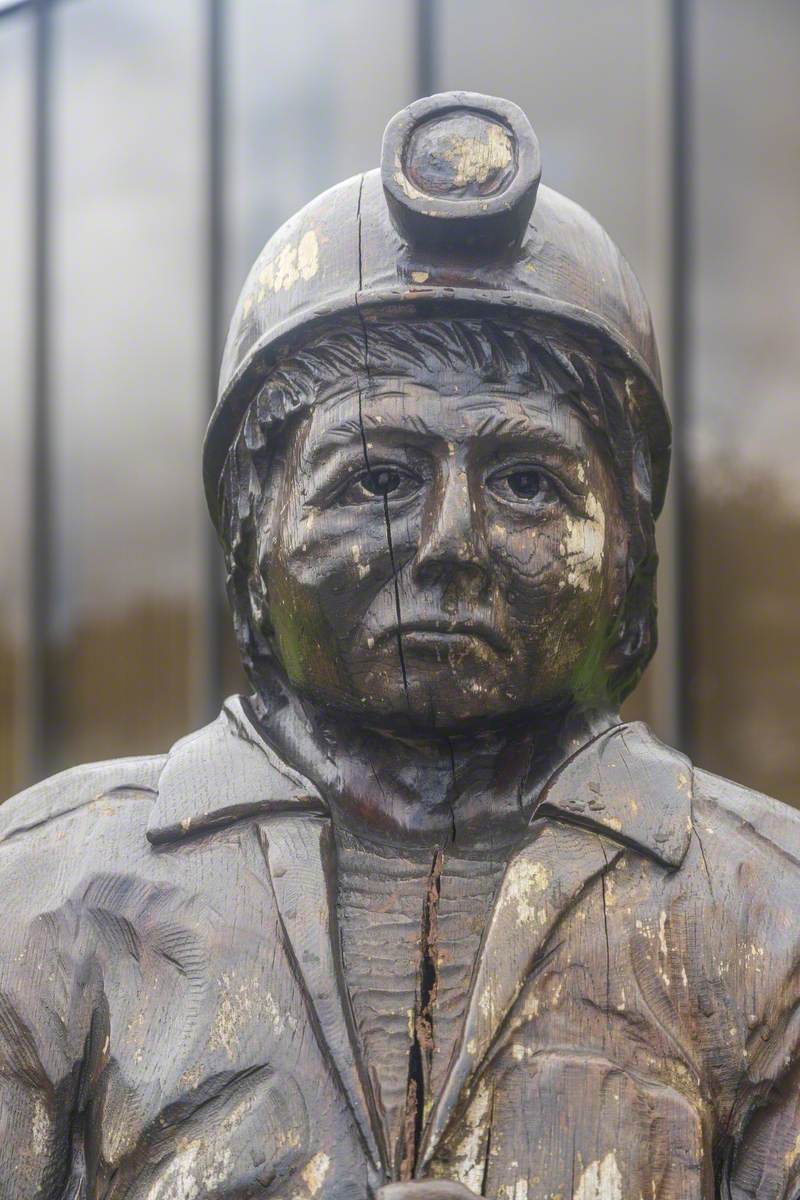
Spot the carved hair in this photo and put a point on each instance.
(493, 350)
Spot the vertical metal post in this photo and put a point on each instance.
(680, 357)
(40, 573)
(213, 601)
(426, 47)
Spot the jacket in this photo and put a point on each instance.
(174, 1022)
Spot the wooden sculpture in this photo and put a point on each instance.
(421, 917)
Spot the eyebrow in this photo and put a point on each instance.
(332, 441)
(503, 424)
(359, 429)
(416, 428)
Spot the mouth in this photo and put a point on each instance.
(441, 632)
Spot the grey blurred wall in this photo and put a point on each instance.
(179, 135)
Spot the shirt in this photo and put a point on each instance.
(410, 923)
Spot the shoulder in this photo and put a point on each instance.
(79, 790)
(747, 822)
(67, 828)
(748, 847)
(57, 840)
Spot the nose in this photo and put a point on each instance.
(452, 545)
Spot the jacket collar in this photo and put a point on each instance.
(222, 773)
(630, 787)
(624, 784)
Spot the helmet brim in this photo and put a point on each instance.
(401, 304)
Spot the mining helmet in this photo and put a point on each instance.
(454, 222)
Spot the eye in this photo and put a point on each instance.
(383, 482)
(524, 484)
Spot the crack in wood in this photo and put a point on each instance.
(364, 447)
(420, 1057)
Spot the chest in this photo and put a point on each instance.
(568, 1044)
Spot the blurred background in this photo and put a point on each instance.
(148, 150)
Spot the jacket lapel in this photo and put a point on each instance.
(543, 880)
(224, 773)
(629, 786)
(300, 855)
(623, 788)
(228, 772)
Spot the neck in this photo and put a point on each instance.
(475, 792)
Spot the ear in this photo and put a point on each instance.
(635, 636)
(620, 554)
(258, 603)
(255, 495)
(633, 562)
(246, 582)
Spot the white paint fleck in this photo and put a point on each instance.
(532, 1006)
(486, 1002)
(218, 1169)
(469, 1154)
(240, 1005)
(584, 541)
(308, 255)
(292, 263)
(40, 1126)
(600, 1181)
(662, 937)
(475, 158)
(314, 1173)
(525, 882)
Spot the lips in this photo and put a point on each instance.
(443, 630)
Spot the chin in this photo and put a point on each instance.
(446, 706)
(476, 690)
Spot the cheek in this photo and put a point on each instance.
(564, 558)
(340, 555)
(582, 548)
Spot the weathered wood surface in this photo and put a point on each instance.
(420, 917)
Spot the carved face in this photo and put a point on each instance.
(443, 558)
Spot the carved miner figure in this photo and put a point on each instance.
(421, 913)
